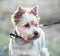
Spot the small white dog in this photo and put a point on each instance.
(28, 38)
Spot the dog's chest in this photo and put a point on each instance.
(24, 49)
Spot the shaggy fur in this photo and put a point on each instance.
(32, 43)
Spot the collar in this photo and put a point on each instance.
(14, 35)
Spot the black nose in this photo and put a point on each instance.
(35, 33)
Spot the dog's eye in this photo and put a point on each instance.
(27, 25)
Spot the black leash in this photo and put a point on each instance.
(50, 24)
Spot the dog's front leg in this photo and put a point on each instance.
(44, 52)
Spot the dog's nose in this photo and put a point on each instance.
(35, 33)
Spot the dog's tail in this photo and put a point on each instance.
(42, 25)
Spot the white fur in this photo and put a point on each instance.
(20, 47)
(44, 52)
(27, 18)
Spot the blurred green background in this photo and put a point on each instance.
(49, 12)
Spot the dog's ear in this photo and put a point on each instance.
(35, 10)
(18, 13)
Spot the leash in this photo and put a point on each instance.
(42, 25)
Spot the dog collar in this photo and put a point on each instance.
(14, 35)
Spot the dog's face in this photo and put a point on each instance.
(26, 23)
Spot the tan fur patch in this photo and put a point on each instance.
(18, 13)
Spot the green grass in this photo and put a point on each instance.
(5, 26)
(54, 47)
(4, 39)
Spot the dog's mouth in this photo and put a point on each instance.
(32, 38)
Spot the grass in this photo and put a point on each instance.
(4, 39)
(4, 43)
(54, 47)
(5, 27)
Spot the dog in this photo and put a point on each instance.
(28, 39)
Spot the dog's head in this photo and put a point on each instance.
(26, 22)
